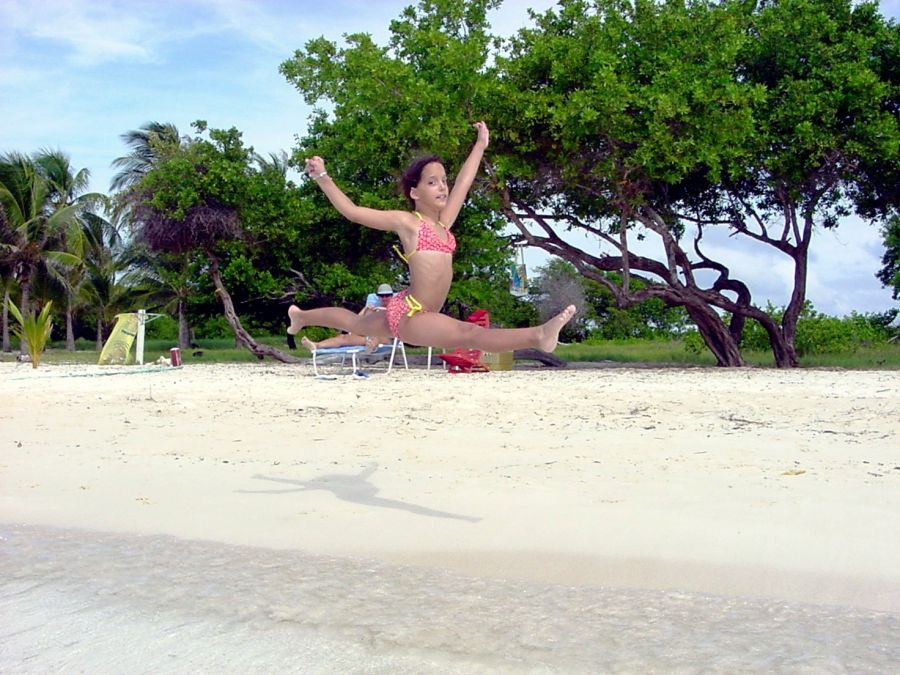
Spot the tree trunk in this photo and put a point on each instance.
(25, 309)
(738, 319)
(99, 346)
(7, 346)
(184, 333)
(782, 348)
(70, 328)
(241, 336)
(25, 306)
(785, 354)
(716, 335)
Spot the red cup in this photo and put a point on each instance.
(176, 356)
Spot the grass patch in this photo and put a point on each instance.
(881, 357)
(672, 352)
(634, 351)
(663, 352)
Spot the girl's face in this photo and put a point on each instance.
(432, 188)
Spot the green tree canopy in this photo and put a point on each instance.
(889, 274)
(419, 95)
(631, 120)
(665, 120)
(207, 198)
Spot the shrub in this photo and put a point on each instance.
(33, 332)
(693, 343)
(162, 328)
(819, 333)
(213, 327)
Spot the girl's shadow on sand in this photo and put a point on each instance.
(354, 488)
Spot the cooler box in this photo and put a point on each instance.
(497, 360)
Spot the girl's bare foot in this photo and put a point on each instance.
(295, 314)
(550, 330)
(309, 344)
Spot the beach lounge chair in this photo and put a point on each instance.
(357, 355)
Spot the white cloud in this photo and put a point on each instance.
(842, 268)
(263, 24)
(92, 32)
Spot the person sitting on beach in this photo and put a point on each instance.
(375, 302)
(413, 315)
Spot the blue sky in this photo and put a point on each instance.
(77, 74)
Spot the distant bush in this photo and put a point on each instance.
(822, 334)
(212, 328)
(162, 328)
(217, 328)
(693, 343)
(817, 333)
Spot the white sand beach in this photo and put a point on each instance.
(756, 484)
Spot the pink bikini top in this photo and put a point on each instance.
(427, 240)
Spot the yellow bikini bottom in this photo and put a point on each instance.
(414, 305)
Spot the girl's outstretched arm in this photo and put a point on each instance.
(465, 177)
(374, 218)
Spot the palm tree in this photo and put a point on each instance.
(152, 143)
(39, 233)
(161, 276)
(6, 277)
(107, 293)
(163, 281)
(279, 162)
(100, 283)
(67, 187)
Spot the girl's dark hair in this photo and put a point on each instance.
(413, 175)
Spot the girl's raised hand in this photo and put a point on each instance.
(315, 167)
(483, 135)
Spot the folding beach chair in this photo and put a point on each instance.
(467, 360)
(357, 355)
(464, 361)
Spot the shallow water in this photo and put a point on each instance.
(78, 601)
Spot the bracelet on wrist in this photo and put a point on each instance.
(320, 176)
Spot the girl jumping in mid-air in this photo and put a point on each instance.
(428, 246)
